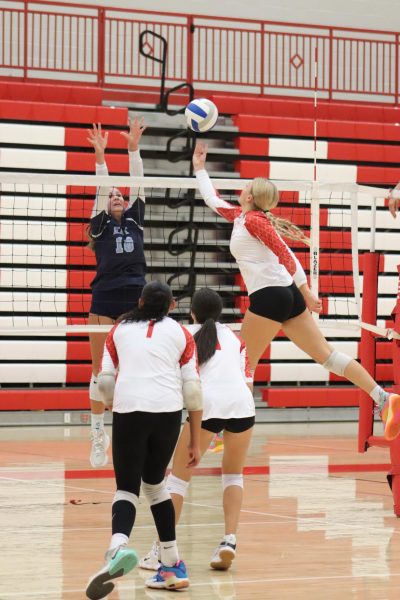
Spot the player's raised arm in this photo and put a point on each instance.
(99, 139)
(136, 128)
(221, 207)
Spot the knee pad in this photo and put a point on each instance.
(94, 392)
(228, 480)
(337, 362)
(176, 485)
(155, 493)
(127, 496)
(106, 387)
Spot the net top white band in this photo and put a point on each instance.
(179, 182)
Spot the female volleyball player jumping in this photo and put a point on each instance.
(228, 406)
(116, 236)
(157, 372)
(277, 286)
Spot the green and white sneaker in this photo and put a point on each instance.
(119, 562)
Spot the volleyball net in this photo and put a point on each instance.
(46, 266)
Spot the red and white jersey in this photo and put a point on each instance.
(151, 360)
(224, 378)
(263, 257)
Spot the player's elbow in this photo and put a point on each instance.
(192, 395)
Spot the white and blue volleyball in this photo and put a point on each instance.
(201, 115)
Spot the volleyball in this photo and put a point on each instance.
(201, 115)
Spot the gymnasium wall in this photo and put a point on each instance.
(368, 14)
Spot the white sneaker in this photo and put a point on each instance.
(152, 560)
(223, 556)
(119, 562)
(100, 444)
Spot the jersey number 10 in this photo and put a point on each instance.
(124, 245)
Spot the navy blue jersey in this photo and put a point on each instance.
(119, 249)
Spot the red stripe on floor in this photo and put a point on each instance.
(256, 470)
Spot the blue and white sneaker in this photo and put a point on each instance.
(170, 578)
(119, 562)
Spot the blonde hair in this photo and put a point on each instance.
(266, 196)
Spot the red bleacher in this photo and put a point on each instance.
(304, 109)
(46, 112)
(57, 94)
(353, 123)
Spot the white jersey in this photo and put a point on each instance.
(151, 361)
(224, 378)
(263, 257)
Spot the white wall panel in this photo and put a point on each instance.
(297, 148)
(33, 350)
(12, 158)
(298, 372)
(33, 373)
(15, 133)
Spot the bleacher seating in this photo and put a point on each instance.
(273, 138)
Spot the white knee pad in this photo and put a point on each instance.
(155, 493)
(337, 362)
(128, 496)
(228, 480)
(106, 387)
(94, 392)
(176, 485)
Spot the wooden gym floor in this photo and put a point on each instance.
(317, 520)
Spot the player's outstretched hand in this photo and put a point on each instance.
(199, 156)
(136, 129)
(97, 138)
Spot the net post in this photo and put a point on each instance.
(367, 345)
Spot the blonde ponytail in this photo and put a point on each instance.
(266, 197)
(288, 229)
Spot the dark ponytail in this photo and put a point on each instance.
(207, 308)
(155, 301)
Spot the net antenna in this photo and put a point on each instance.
(315, 203)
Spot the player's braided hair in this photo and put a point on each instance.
(266, 196)
(207, 308)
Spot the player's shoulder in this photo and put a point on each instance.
(256, 216)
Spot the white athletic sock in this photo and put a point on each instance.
(97, 421)
(169, 553)
(230, 538)
(379, 396)
(117, 539)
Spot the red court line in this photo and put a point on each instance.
(256, 470)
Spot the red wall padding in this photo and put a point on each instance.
(42, 92)
(304, 109)
(326, 129)
(62, 113)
